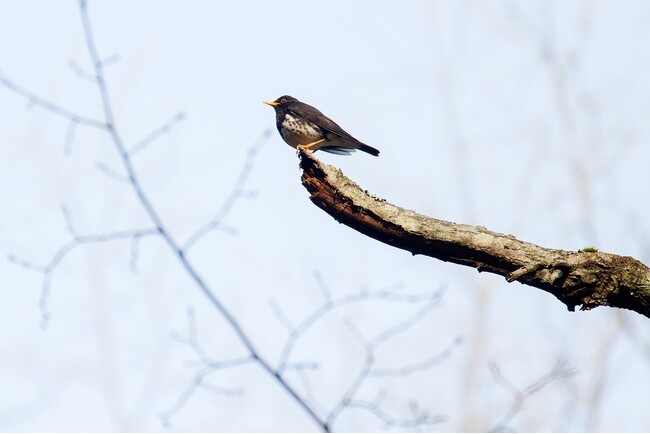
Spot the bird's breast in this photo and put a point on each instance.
(296, 131)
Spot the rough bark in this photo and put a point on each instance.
(585, 278)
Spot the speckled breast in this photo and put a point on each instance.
(296, 131)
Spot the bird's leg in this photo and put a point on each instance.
(309, 145)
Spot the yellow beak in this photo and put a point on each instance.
(271, 103)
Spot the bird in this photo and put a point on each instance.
(302, 125)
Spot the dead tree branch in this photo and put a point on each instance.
(585, 278)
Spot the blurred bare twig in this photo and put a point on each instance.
(157, 133)
(391, 293)
(367, 370)
(208, 365)
(77, 240)
(305, 370)
(427, 302)
(519, 396)
(238, 192)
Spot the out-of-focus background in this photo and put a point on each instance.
(529, 118)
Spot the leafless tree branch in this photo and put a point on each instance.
(519, 397)
(69, 136)
(77, 240)
(427, 300)
(111, 173)
(366, 370)
(80, 72)
(391, 293)
(208, 366)
(403, 371)
(585, 278)
(420, 418)
(237, 193)
(34, 99)
(156, 134)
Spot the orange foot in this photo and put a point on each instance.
(309, 145)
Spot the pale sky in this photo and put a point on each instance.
(528, 118)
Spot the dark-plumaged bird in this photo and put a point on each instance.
(302, 125)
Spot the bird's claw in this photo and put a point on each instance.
(301, 148)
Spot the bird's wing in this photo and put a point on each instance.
(315, 116)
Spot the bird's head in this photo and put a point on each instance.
(285, 99)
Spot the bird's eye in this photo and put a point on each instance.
(283, 100)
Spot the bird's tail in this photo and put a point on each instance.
(340, 150)
(369, 149)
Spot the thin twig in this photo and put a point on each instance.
(370, 348)
(208, 366)
(77, 240)
(111, 173)
(420, 366)
(80, 72)
(389, 293)
(324, 287)
(49, 106)
(111, 60)
(69, 136)
(421, 418)
(69, 223)
(519, 397)
(236, 193)
(155, 134)
(279, 314)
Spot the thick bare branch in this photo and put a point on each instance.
(585, 278)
